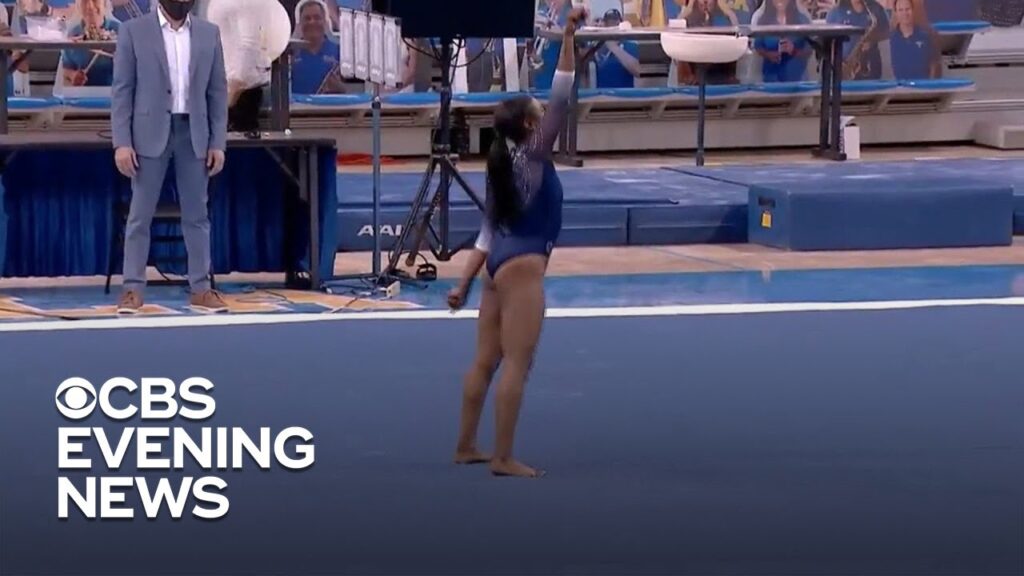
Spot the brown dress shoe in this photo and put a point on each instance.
(209, 302)
(130, 302)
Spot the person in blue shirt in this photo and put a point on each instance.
(862, 58)
(617, 63)
(557, 11)
(315, 65)
(522, 222)
(717, 12)
(914, 51)
(785, 59)
(698, 13)
(90, 67)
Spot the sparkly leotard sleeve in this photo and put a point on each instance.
(539, 224)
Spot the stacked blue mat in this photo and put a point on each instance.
(998, 172)
(683, 205)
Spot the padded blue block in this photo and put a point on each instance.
(674, 225)
(594, 226)
(1018, 224)
(872, 214)
(355, 226)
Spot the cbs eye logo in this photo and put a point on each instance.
(75, 398)
(149, 399)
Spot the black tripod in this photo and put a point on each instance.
(420, 221)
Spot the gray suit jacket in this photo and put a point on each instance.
(140, 114)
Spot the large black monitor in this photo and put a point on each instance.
(462, 18)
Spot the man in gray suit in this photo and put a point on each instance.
(170, 102)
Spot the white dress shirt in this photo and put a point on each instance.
(178, 45)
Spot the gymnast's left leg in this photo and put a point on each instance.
(478, 379)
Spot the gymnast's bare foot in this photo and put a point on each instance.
(514, 468)
(472, 456)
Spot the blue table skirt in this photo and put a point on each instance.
(60, 218)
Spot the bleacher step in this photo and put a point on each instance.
(1000, 136)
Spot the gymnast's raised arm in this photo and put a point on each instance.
(562, 85)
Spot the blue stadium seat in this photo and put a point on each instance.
(637, 93)
(960, 28)
(585, 94)
(869, 86)
(938, 84)
(94, 103)
(787, 88)
(483, 99)
(19, 104)
(333, 100)
(413, 99)
(714, 90)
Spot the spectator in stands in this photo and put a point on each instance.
(862, 59)
(90, 67)
(483, 59)
(22, 63)
(708, 12)
(553, 14)
(915, 53)
(315, 67)
(742, 10)
(817, 9)
(785, 59)
(698, 13)
(617, 63)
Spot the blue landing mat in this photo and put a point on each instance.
(603, 187)
(603, 208)
(1001, 170)
(807, 443)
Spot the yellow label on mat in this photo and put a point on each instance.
(766, 220)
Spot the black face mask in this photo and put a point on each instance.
(177, 10)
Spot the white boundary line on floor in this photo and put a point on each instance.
(607, 312)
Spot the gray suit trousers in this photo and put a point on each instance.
(192, 182)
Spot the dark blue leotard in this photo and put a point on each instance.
(538, 225)
(537, 228)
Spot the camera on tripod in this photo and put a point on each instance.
(448, 23)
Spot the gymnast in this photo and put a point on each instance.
(521, 225)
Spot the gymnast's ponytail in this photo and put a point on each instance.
(503, 202)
